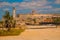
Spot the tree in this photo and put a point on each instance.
(34, 20)
(1, 24)
(56, 20)
(8, 20)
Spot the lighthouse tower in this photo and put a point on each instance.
(14, 13)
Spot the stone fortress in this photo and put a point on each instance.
(33, 18)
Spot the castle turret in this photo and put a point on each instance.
(14, 13)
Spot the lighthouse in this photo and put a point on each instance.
(14, 13)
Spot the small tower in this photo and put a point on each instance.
(33, 12)
(14, 13)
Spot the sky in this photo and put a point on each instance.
(26, 6)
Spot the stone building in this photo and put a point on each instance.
(33, 18)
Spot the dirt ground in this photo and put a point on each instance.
(36, 34)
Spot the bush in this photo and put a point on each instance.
(11, 32)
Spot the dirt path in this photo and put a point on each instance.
(36, 34)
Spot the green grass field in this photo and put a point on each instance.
(12, 32)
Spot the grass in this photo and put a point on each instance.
(12, 32)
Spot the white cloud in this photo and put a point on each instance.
(8, 4)
(36, 0)
(4, 3)
(31, 5)
(6, 9)
(56, 9)
(57, 1)
(15, 4)
(35, 4)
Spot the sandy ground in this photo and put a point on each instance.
(36, 34)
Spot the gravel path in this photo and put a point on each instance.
(36, 34)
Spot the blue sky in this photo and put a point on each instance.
(26, 6)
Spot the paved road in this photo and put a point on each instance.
(41, 26)
(36, 34)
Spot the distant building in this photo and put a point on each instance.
(32, 18)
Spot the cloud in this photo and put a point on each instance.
(8, 4)
(15, 4)
(24, 5)
(6, 9)
(34, 4)
(52, 10)
(35, 0)
(57, 9)
(57, 1)
(38, 5)
(4, 3)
